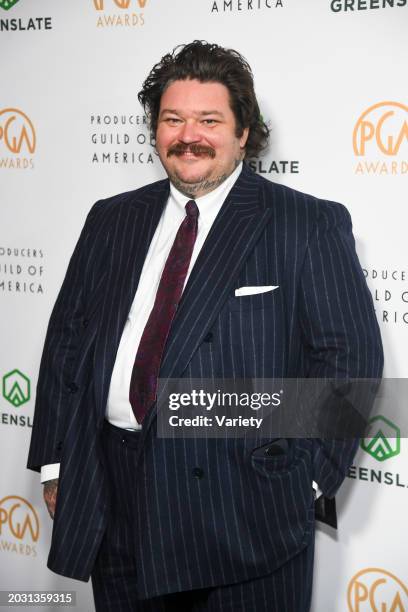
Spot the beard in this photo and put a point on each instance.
(199, 186)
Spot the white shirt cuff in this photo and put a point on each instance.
(50, 471)
(318, 491)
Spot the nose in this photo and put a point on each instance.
(189, 133)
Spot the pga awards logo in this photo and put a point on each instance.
(129, 13)
(123, 4)
(19, 526)
(380, 139)
(17, 139)
(376, 590)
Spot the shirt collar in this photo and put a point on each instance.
(210, 203)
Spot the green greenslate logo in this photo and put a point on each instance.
(7, 4)
(383, 439)
(16, 388)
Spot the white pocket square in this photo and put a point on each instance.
(254, 290)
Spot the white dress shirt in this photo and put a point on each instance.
(119, 411)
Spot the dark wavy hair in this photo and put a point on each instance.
(208, 62)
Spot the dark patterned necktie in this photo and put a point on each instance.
(143, 384)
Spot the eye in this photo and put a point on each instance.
(210, 121)
(172, 120)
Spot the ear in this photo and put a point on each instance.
(244, 137)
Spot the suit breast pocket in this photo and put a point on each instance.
(258, 301)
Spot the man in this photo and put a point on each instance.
(151, 291)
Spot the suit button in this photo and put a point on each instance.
(72, 387)
(59, 446)
(208, 337)
(85, 322)
(198, 472)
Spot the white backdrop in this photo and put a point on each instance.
(331, 80)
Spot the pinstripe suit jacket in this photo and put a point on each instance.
(247, 514)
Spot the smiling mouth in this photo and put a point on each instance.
(191, 151)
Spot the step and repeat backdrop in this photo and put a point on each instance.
(332, 83)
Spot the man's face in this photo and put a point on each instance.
(196, 136)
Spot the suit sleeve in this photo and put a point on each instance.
(53, 387)
(340, 330)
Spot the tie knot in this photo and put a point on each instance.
(192, 209)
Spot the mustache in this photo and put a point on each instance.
(196, 149)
